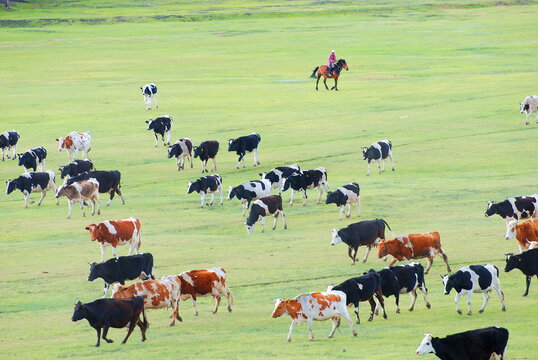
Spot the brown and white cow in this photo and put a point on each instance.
(158, 294)
(75, 142)
(414, 246)
(81, 191)
(269, 205)
(525, 233)
(212, 282)
(116, 232)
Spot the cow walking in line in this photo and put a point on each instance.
(347, 194)
(527, 262)
(81, 191)
(243, 145)
(8, 140)
(379, 150)
(207, 150)
(75, 142)
(161, 126)
(529, 106)
(33, 158)
(180, 150)
(28, 183)
(207, 185)
(269, 205)
(149, 91)
(116, 232)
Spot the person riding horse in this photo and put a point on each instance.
(330, 62)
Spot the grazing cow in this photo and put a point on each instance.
(109, 182)
(8, 140)
(314, 306)
(205, 282)
(207, 150)
(28, 183)
(116, 313)
(249, 191)
(362, 288)
(149, 91)
(76, 167)
(277, 175)
(116, 232)
(347, 194)
(123, 268)
(366, 233)
(474, 278)
(161, 126)
(33, 158)
(75, 142)
(378, 151)
(81, 191)
(529, 106)
(157, 294)
(207, 185)
(481, 344)
(527, 262)
(269, 205)
(180, 150)
(525, 233)
(521, 207)
(245, 144)
(307, 179)
(414, 246)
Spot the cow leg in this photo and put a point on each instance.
(27, 198)
(425, 294)
(98, 203)
(107, 285)
(345, 314)
(357, 312)
(202, 196)
(485, 297)
(275, 216)
(156, 105)
(292, 326)
(527, 122)
(430, 262)
(3, 151)
(456, 300)
(156, 139)
(413, 299)
(291, 197)
(442, 254)
(397, 296)
(118, 191)
(168, 137)
(497, 286)
(212, 198)
(190, 159)
(310, 321)
(304, 197)
(368, 248)
(214, 167)
(263, 223)
(528, 283)
(341, 212)
(70, 204)
(256, 161)
(354, 257)
(369, 163)
(379, 164)
(336, 324)
(142, 328)
(93, 205)
(132, 325)
(102, 252)
(193, 298)
(391, 162)
(244, 207)
(244, 165)
(105, 332)
(349, 211)
(217, 298)
(379, 296)
(15, 152)
(98, 337)
(384, 164)
(82, 207)
(283, 219)
(115, 252)
(220, 193)
(320, 191)
(43, 193)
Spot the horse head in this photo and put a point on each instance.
(342, 64)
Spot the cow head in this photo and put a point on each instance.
(335, 197)
(193, 186)
(231, 192)
(231, 145)
(64, 143)
(151, 124)
(336, 237)
(384, 248)
(143, 92)
(198, 151)
(426, 346)
(24, 159)
(64, 190)
(172, 150)
(280, 308)
(365, 153)
(79, 313)
(523, 107)
(511, 262)
(11, 186)
(293, 179)
(448, 283)
(92, 229)
(95, 272)
(511, 228)
(491, 210)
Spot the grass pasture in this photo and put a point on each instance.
(442, 81)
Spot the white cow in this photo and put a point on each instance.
(529, 106)
(148, 91)
(75, 142)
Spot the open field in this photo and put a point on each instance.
(443, 82)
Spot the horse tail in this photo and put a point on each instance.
(314, 72)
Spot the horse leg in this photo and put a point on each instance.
(319, 75)
(335, 87)
(325, 83)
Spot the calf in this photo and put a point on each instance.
(527, 262)
(8, 140)
(474, 278)
(81, 191)
(249, 191)
(529, 106)
(307, 179)
(482, 344)
(278, 175)
(207, 185)
(75, 142)
(28, 183)
(116, 313)
(116, 232)
(521, 207)
(33, 158)
(314, 306)
(109, 182)
(245, 144)
(414, 246)
(149, 91)
(207, 150)
(161, 126)
(269, 205)
(347, 194)
(525, 233)
(378, 151)
(180, 150)
(76, 167)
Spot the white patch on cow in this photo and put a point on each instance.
(425, 346)
(400, 238)
(263, 206)
(220, 273)
(336, 239)
(77, 186)
(410, 245)
(110, 227)
(187, 278)
(27, 175)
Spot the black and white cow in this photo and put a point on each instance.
(347, 194)
(149, 91)
(180, 150)
(248, 191)
(474, 279)
(109, 182)
(76, 167)
(28, 183)
(529, 106)
(207, 150)
(521, 207)
(245, 144)
(278, 175)
(269, 205)
(8, 140)
(33, 158)
(481, 344)
(207, 185)
(378, 151)
(307, 179)
(161, 126)
(527, 262)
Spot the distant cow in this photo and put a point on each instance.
(8, 140)
(248, 191)
(521, 207)
(474, 279)
(307, 179)
(116, 313)
(529, 106)
(366, 233)
(180, 150)
(116, 232)
(33, 158)
(245, 144)
(269, 205)
(414, 246)
(81, 191)
(525, 233)
(109, 182)
(278, 175)
(207, 185)
(28, 183)
(207, 150)
(75, 142)
(527, 262)
(378, 151)
(345, 195)
(76, 167)
(482, 344)
(149, 91)
(314, 306)
(161, 126)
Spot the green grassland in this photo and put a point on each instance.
(442, 81)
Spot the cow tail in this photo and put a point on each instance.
(139, 239)
(314, 72)
(384, 222)
(338, 324)
(229, 293)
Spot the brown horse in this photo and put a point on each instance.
(323, 70)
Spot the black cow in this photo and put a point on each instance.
(527, 262)
(278, 175)
(116, 313)
(245, 144)
(248, 191)
(307, 179)
(481, 344)
(161, 126)
(362, 288)
(8, 140)
(269, 205)
(123, 268)
(149, 91)
(28, 183)
(207, 185)
(205, 151)
(378, 151)
(109, 182)
(521, 207)
(366, 233)
(76, 167)
(347, 194)
(180, 150)
(33, 158)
